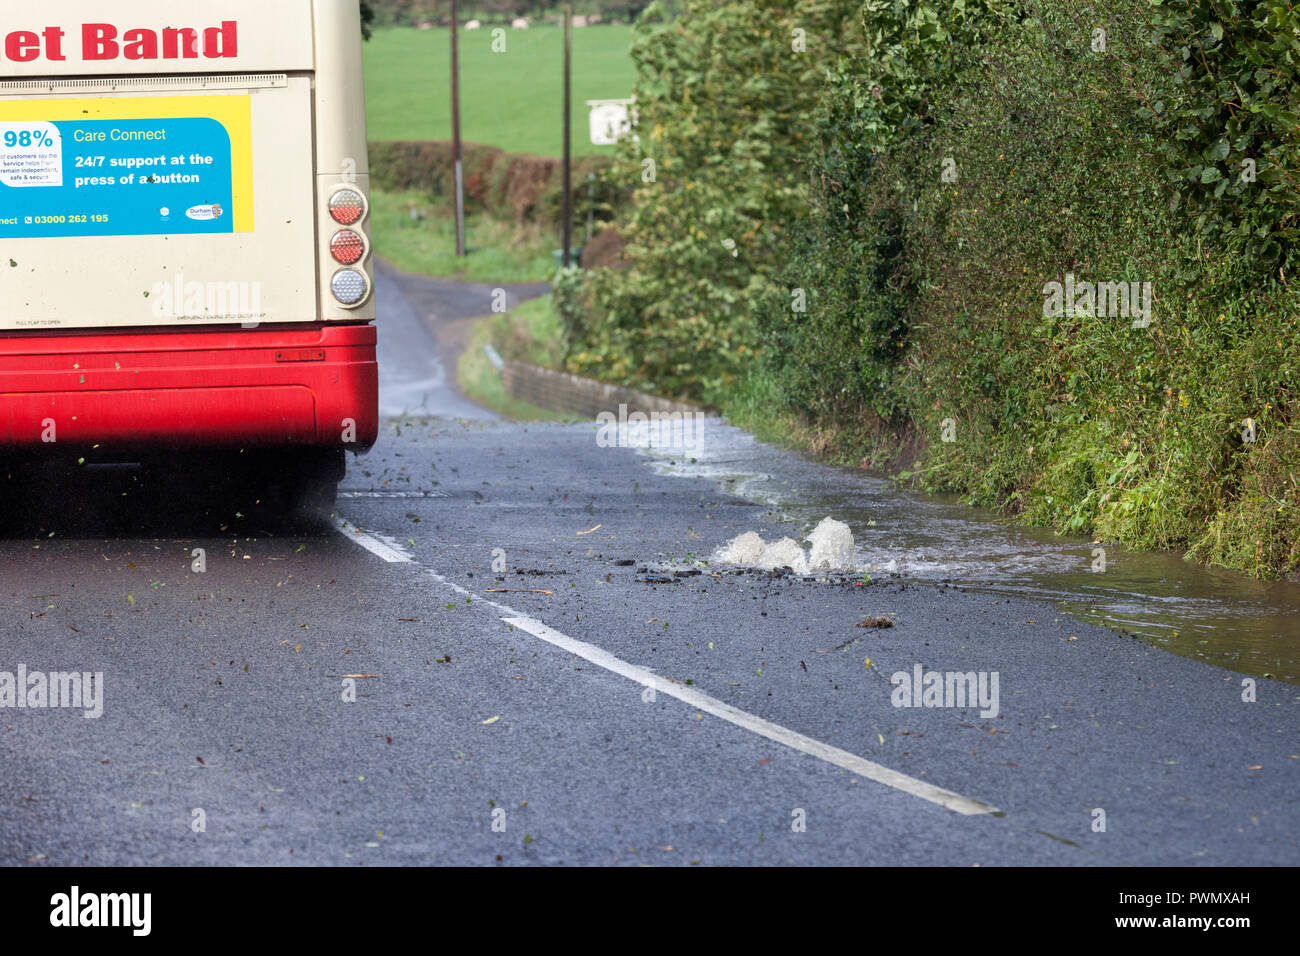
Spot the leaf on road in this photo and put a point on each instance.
(588, 531)
(492, 720)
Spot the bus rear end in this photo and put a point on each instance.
(184, 238)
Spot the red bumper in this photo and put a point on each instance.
(314, 385)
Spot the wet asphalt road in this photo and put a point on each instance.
(472, 740)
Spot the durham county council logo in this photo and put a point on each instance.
(211, 211)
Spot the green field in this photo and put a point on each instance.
(513, 100)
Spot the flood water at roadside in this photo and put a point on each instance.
(1219, 616)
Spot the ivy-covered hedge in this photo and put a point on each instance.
(984, 150)
(1228, 122)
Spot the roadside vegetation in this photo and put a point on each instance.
(530, 332)
(856, 213)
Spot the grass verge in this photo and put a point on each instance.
(530, 333)
(418, 235)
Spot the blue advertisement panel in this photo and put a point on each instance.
(145, 176)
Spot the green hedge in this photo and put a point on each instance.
(898, 199)
(724, 101)
(512, 186)
(1085, 141)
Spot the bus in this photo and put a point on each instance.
(185, 269)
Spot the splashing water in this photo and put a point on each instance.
(831, 549)
(743, 550)
(785, 553)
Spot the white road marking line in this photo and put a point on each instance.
(689, 695)
(393, 494)
(386, 550)
(764, 728)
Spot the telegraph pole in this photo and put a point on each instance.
(455, 137)
(567, 236)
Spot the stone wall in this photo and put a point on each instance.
(560, 391)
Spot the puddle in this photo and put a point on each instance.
(1219, 616)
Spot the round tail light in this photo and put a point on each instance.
(347, 207)
(347, 247)
(349, 287)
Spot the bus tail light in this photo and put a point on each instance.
(347, 207)
(350, 287)
(347, 247)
